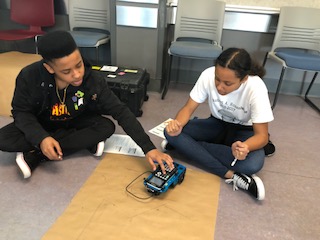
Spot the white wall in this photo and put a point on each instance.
(275, 3)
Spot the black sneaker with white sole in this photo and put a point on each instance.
(28, 161)
(253, 184)
(269, 149)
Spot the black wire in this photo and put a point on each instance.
(127, 187)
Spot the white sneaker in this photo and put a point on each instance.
(23, 165)
(164, 144)
(100, 149)
(28, 161)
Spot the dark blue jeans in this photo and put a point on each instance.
(207, 144)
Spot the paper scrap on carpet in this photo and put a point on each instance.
(122, 144)
(158, 130)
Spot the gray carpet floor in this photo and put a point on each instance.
(290, 211)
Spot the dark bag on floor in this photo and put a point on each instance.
(130, 85)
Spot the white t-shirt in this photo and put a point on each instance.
(248, 104)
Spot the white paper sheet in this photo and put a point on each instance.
(158, 130)
(109, 68)
(123, 144)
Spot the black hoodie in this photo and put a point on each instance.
(33, 97)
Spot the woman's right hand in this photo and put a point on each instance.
(174, 128)
(240, 150)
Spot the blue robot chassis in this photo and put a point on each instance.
(157, 182)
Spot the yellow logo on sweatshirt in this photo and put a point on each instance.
(59, 110)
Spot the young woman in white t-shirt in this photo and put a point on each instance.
(230, 142)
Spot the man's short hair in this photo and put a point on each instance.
(56, 44)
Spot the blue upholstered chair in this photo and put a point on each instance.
(90, 23)
(197, 33)
(297, 42)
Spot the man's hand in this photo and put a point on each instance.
(160, 157)
(51, 148)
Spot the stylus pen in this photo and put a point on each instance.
(234, 162)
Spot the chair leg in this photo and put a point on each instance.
(178, 69)
(278, 88)
(265, 59)
(97, 55)
(311, 83)
(36, 42)
(167, 80)
(308, 90)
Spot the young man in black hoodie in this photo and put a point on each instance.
(61, 106)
